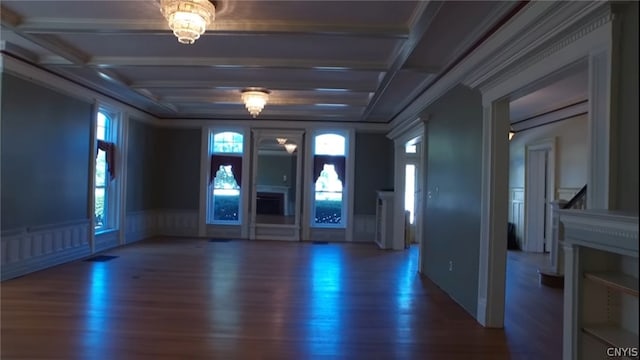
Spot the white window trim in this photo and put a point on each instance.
(208, 200)
(347, 196)
(113, 202)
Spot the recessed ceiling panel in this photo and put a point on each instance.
(92, 9)
(287, 47)
(455, 22)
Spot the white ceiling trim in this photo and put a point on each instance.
(553, 116)
(276, 63)
(272, 85)
(45, 78)
(558, 19)
(37, 25)
(272, 124)
(422, 17)
(536, 20)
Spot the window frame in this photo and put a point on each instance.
(210, 198)
(345, 203)
(111, 196)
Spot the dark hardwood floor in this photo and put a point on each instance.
(194, 299)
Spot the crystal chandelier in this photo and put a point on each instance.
(255, 99)
(290, 147)
(188, 18)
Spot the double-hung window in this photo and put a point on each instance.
(329, 176)
(105, 200)
(225, 178)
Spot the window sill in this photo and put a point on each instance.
(105, 231)
(224, 223)
(337, 227)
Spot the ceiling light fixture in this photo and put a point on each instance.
(281, 141)
(255, 99)
(290, 147)
(188, 18)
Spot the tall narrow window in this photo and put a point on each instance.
(105, 206)
(329, 179)
(225, 178)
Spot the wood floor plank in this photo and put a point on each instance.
(192, 299)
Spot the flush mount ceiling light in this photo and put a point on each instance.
(281, 141)
(255, 99)
(290, 147)
(188, 18)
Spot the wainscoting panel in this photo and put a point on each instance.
(32, 249)
(364, 228)
(224, 231)
(107, 240)
(141, 225)
(177, 223)
(516, 212)
(331, 235)
(266, 232)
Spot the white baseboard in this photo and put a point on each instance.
(107, 240)
(328, 234)
(224, 231)
(33, 249)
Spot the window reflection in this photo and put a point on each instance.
(324, 326)
(96, 316)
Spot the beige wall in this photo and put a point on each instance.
(571, 152)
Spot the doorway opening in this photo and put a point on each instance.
(539, 191)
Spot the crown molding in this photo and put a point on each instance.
(498, 71)
(531, 28)
(52, 81)
(408, 130)
(272, 124)
(567, 112)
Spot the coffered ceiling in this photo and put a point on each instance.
(352, 61)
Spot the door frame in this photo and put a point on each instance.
(548, 146)
(595, 42)
(288, 232)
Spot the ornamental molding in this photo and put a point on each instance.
(497, 72)
(602, 228)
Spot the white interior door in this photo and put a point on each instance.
(535, 199)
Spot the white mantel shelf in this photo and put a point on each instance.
(607, 230)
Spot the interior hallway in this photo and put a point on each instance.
(173, 298)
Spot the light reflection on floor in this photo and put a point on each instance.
(325, 323)
(406, 275)
(223, 309)
(97, 302)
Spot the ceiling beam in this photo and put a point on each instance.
(327, 86)
(252, 63)
(235, 100)
(13, 22)
(18, 51)
(218, 28)
(426, 11)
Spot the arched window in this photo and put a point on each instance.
(329, 158)
(225, 177)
